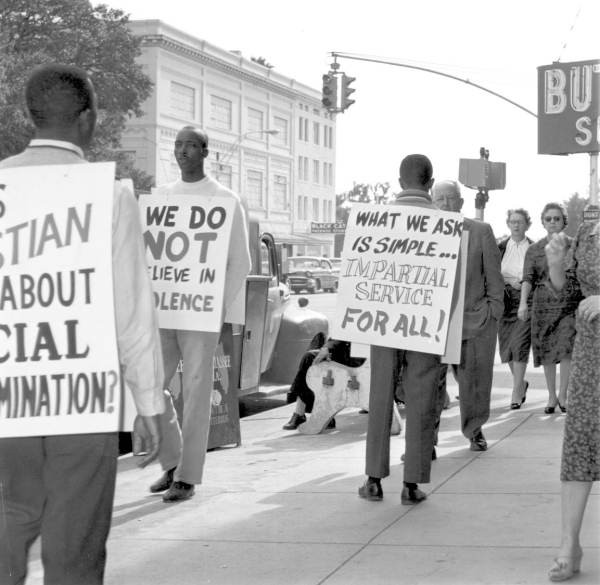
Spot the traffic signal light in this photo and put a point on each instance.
(346, 91)
(329, 99)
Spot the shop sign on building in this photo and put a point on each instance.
(568, 98)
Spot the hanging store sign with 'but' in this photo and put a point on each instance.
(568, 98)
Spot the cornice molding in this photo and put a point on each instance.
(171, 45)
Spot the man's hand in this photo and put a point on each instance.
(589, 308)
(322, 355)
(146, 430)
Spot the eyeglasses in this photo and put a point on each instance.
(555, 218)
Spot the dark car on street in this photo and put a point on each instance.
(310, 273)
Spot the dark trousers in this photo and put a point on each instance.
(62, 489)
(299, 387)
(474, 375)
(420, 382)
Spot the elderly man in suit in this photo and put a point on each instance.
(484, 305)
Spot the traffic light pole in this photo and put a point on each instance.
(434, 71)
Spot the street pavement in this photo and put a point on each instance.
(283, 509)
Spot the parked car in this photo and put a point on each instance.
(336, 263)
(310, 273)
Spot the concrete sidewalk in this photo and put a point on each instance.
(283, 509)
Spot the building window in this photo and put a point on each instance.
(300, 128)
(325, 173)
(300, 208)
(220, 112)
(330, 132)
(183, 101)
(315, 171)
(223, 174)
(305, 207)
(305, 129)
(254, 188)
(325, 136)
(256, 123)
(315, 211)
(316, 131)
(280, 192)
(325, 215)
(280, 124)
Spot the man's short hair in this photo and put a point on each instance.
(416, 169)
(56, 94)
(199, 132)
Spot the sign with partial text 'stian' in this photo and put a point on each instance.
(59, 368)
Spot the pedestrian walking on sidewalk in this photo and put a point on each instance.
(183, 450)
(552, 314)
(579, 266)
(420, 375)
(483, 307)
(62, 487)
(514, 335)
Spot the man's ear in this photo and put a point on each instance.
(402, 184)
(86, 123)
(429, 184)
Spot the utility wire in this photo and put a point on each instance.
(570, 31)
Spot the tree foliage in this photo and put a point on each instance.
(95, 38)
(361, 193)
(575, 206)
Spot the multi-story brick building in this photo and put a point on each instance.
(269, 136)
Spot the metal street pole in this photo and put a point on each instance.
(594, 178)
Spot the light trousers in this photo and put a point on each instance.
(185, 447)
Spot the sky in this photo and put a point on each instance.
(399, 111)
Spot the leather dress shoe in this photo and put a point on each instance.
(163, 483)
(371, 490)
(179, 491)
(411, 496)
(294, 422)
(478, 442)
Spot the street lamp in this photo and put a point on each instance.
(229, 153)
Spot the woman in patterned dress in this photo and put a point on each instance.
(552, 316)
(581, 444)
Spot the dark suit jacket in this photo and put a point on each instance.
(484, 294)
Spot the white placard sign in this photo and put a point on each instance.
(397, 276)
(59, 368)
(187, 242)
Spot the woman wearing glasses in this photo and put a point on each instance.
(514, 335)
(552, 314)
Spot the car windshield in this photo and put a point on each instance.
(302, 263)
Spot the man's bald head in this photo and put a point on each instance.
(446, 195)
(416, 172)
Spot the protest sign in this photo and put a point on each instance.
(59, 368)
(397, 277)
(187, 242)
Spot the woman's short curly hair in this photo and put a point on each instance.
(559, 207)
(522, 212)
